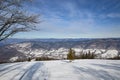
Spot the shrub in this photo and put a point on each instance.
(43, 59)
(88, 55)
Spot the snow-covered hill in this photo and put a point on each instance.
(58, 49)
(61, 53)
(62, 70)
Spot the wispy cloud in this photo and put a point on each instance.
(114, 15)
(77, 18)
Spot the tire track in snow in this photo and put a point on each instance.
(95, 74)
(30, 72)
(21, 71)
(3, 68)
(11, 69)
(41, 74)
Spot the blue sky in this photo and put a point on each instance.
(75, 19)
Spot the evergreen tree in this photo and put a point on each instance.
(71, 55)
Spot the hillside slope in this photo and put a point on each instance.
(58, 48)
(62, 70)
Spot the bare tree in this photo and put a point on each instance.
(14, 19)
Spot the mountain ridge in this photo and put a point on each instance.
(37, 47)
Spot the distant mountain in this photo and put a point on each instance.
(16, 40)
(23, 48)
(71, 43)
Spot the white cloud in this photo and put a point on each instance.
(60, 26)
(114, 15)
(67, 19)
(109, 15)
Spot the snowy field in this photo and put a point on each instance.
(61, 70)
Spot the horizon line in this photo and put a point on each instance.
(67, 38)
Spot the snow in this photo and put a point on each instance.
(13, 59)
(21, 45)
(60, 53)
(110, 54)
(61, 70)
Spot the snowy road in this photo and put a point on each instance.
(61, 70)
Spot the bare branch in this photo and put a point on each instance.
(14, 20)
